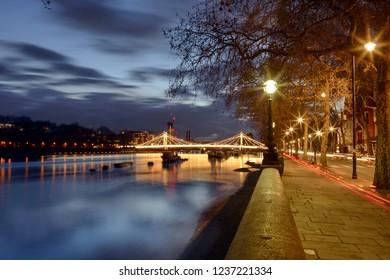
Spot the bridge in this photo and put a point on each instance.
(164, 141)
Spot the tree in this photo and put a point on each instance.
(382, 159)
(226, 47)
(46, 4)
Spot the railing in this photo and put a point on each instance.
(166, 141)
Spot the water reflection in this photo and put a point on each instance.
(58, 208)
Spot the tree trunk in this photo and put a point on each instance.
(382, 160)
(368, 138)
(341, 136)
(305, 139)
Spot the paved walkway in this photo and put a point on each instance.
(337, 218)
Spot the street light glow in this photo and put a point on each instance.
(271, 157)
(270, 86)
(370, 46)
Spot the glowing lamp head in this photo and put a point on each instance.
(370, 46)
(270, 87)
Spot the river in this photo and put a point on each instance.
(68, 207)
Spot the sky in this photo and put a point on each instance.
(100, 63)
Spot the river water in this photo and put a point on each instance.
(58, 208)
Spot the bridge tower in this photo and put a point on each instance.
(171, 130)
(241, 138)
(165, 140)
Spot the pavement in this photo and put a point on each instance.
(337, 218)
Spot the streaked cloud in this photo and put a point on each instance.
(99, 63)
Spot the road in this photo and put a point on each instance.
(365, 172)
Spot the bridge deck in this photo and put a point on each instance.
(165, 141)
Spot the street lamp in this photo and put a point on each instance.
(301, 121)
(291, 129)
(271, 157)
(286, 144)
(354, 173)
(370, 47)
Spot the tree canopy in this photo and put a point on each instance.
(228, 49)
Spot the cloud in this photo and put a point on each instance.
(119, 111)
(146, 74)
(52, 69)
(60, 76)
(5, 70)
(121, 28)
(94, 82)
(38, 53)
(77, 71)
(98, 17)
(118, 47)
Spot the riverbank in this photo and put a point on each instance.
(218, 224)
(10, 154)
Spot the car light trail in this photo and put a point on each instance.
(369, 195)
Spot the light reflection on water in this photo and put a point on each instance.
(59, 209)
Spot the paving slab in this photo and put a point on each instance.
(336, 218)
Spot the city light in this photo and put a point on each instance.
(370, 46)
(271, 157)
(270, 86)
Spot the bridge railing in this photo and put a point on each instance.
(238, 141)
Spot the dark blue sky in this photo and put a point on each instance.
(99, 63)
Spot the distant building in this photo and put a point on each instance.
(366, 133)
(140, 137)
(6, 125)
(129, 138)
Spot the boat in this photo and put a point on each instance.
(217, 155)
(253, 164)
(123, 164)
(170, 157)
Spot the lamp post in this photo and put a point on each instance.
(301, 121)
(292, 139)
(354, 173)
(287, 144)
(370, 47)
(271, 157)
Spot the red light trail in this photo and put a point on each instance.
(370, 195)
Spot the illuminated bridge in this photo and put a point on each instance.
(164, 141)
